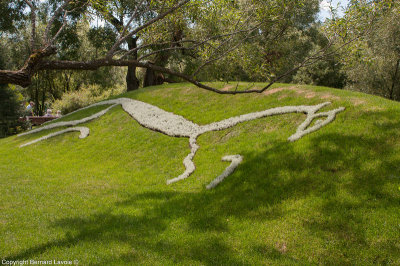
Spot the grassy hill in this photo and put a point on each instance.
(333, 197)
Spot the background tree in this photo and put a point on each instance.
(326, 72)
(10, 110)
(371, 61)
(78, 42)
(195, 34)
(115, 14)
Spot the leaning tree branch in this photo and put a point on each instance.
(95, 64)
(23, 76)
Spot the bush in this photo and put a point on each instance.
(74, 100)
(10, 110)
(323, 73)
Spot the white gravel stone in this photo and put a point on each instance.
(68, 123)
(174, 125)
(236, 160)
(84, 133)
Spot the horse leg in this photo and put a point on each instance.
(83, 130)
(236, 160)
(187, 162)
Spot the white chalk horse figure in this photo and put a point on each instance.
(156, 119)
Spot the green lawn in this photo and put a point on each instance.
(333, 197)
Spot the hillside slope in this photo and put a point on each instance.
(332, 197)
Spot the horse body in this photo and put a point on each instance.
(173, 125)
(154, 118)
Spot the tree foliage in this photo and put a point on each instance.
(372, 61)
(327, 71)
(10, 110)
(184, 39)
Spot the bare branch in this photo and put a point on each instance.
(197, 43)
(134, 14)
(30, 4)
(60, 29)
(162, 50)
(144, 46)
(147, 24)
(33, 22)
(52, 19)
(230, 50)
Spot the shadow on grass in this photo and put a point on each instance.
(347, 174)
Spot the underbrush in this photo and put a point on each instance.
(75, 100)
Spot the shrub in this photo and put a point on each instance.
(322, 73)
(10, 110)
(74, 100)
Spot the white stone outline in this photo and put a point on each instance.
(173, 125)
(236, 160)
(84, 133)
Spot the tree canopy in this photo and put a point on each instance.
(181, 39)
(192, 40)
(372, 61)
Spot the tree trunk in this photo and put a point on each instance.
(43, 107)
(36, 99)
(132, 83)
(152, 78)
(394, 78)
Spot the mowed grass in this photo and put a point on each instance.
(333, 197)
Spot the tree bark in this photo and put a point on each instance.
(7, 76)
(132, 82)
(394, 80)
(152, 78)
(23, 76)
